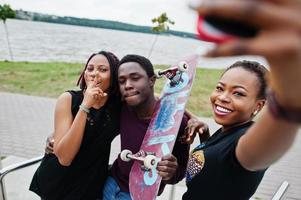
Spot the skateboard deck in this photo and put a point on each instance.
(163, 128)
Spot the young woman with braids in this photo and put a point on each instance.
(239, 95)
(230, 164)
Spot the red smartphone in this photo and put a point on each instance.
(219, 30)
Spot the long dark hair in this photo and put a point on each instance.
(114, 62)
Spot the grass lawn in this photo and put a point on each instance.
(51, 79)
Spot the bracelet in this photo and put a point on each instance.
(279, 112)
(84, 108)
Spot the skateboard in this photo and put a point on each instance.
(161, 134)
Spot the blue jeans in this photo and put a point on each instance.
(111, 191)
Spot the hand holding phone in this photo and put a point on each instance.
(277, 37)
(219, 30)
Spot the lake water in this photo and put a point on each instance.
(39, 41)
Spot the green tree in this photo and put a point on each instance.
(162, 25)
(7, 12)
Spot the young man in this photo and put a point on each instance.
(136, 83)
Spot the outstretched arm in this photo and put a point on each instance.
(279, 41)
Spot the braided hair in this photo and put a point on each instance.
(254, 67)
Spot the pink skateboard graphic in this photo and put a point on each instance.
(162, 132)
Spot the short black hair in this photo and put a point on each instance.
(142, 61)
(254, 67)
(114, 62)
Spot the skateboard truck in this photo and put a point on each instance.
(148, 159)
(174, 74)
(161, 134)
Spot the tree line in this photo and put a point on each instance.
(162, 24)
(107, 24)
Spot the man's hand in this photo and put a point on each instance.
(167, 167)
(49, 145)
(195, 126)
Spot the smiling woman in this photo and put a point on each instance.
(231, 163)
(236, 98)
(239, 95)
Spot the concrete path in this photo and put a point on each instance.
(26, 121)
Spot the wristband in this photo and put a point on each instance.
(279, 112)
(84, 108)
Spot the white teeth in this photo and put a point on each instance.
(221, 109)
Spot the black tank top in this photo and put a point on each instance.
(85, 177)
(89, 169)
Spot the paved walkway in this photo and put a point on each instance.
(25, 122)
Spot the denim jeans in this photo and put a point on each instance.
(111, 191)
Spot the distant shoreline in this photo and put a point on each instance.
(97, 23)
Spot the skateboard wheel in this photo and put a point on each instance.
(183, 66)
(157, 73)
(150, 161)
(124, 155)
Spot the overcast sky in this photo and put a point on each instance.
(138, 12)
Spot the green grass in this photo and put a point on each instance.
(51, 79)
(39, 79)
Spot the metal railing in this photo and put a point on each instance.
(14, 167)
(281, 190)
(11, 168)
